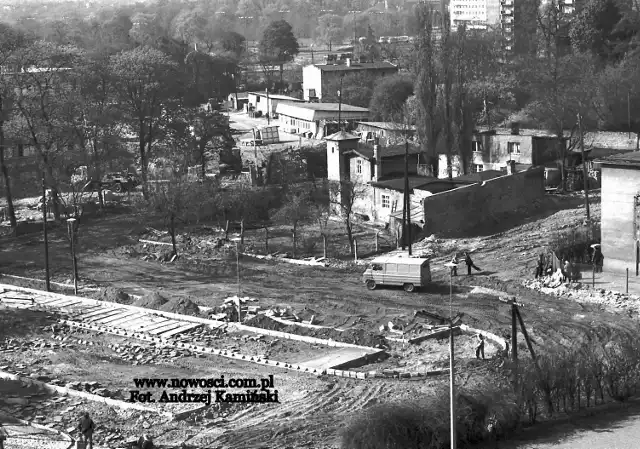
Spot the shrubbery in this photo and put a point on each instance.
(567, 381)
(575, 243)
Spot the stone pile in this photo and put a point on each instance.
(583, 292)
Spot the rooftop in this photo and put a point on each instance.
(388, 125)
(356, 66)
(242, 95)
(610, 140)
(366, 151)
(428, 183)
(275, 96)
(341, 135)
(625, 159)
(522, 132)
(399, 259)
(332, 107)
(481, 176)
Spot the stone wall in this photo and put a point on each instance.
(465, 208)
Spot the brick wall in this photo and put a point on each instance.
(462, 209)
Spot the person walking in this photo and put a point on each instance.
(145, 442)
(86, 426)
(540, 266)
(480, 346)
(454, 270)
(469, 262)
(3, 436)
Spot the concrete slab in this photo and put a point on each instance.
(109, 320)
(337, 358)
(60, 302)
(87, 309)
(106, 314)
(168, 327)
(184, 328)
(154, 323)
(101, 311)
(45, 299)
(132, 317)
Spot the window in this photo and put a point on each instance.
(376, 267)
(513, 147)
(476, 146)
(257, 99)
(477, 168)
(312, 93)
(392, 268)
(386, 201)
(359, 166)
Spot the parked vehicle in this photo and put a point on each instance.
(408, 272)
(116, 182)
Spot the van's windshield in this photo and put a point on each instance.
(375, 267)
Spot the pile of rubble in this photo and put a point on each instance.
(583, 292)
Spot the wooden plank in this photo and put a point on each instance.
(112, 318)
(148, 321)
(89, 309)
(106, 314)
(181, 329)
(97, 312)
(168, 327)
(135, 316)
(134, 325)
(48, 301)
(63, 303)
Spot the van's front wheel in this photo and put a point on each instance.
(371, 284)
(408, 287)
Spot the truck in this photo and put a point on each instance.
(263, 136)
(408, 272)
(115, 181)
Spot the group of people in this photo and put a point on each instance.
(543, 267)
(467, 261)
(86, 427)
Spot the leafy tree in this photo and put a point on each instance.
(146, 82)
(330, 29)
(189, 26)
(11, 41)
(389, 97)
(357, 90)
(343, 195)
(278, 45)
(296, 208)
(45, 108)
(593, 29)
(210, 132)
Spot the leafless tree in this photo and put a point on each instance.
(343, 196)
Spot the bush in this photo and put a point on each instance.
(564, 381)
(575, 244)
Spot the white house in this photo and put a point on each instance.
(313, 118)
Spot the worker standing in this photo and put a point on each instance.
(86, 427)
(454, 268)
(3, 436)
(470, 264)
(480, 346)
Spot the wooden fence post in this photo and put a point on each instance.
(355, 249)
(324, 245)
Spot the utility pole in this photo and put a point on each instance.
(268, 108)
(447, 88)
(71, 224)
(407, 197)
(629, 114)
(46, 240)
(340, 104)
(584, 170)
(355, 37)
(452, 380)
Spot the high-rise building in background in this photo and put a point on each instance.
(475, 14)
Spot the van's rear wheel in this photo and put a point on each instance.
(371, 284)
(408, 287)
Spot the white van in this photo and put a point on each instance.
(408, 272)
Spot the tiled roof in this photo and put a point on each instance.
(523, 132)
(388, 126)
(275, 96)
(355, 66)
(608, 139)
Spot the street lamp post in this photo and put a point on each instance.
(71, 225)
(237, 240)
(452, 385)
(340, 104)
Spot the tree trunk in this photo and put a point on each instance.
(295, 229)
(7, 182)
(349, 227)
(143, 161)
(242, 231)
(266, 239)
(203, 159)
(55, 196)
(172, 231)
(226, 228)
(324, 245)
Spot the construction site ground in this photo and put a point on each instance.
(312, 409)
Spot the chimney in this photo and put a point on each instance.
(348, 62)
(515, 128)
(511, 167)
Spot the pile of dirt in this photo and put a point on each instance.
(151, 301)
(182, 306)
(111, 294)
(353, 336)
(264, 322)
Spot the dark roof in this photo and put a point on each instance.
(385, 152)
(356, 66)
(479, 177)
(241, 95)
(625, 159)
(428, 183)
(341, 135)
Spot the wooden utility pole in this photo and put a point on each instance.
(407, 198)
(584, 171)
(46, 239)
(340, 104)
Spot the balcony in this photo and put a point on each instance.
(507, 12)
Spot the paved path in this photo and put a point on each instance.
(25, 437)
